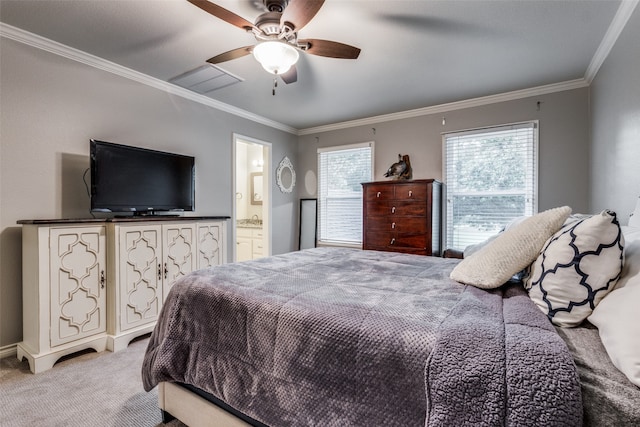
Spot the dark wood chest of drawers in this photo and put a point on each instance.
(402, 216)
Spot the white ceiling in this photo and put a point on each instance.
(415, 54)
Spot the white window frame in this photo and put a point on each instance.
(329, 242)
(531, 204)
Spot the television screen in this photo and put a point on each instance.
(139, 180)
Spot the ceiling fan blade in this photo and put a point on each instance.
(298, 13)
(330, 49)
(222, 13)
(232, 54)
(290, 76)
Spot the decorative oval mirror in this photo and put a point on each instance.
(285, 176)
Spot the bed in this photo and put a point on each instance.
(337, 337)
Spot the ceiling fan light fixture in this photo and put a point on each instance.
(276, 57)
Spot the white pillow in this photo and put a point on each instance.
(511, 251)
(577, 267)
(634, 221)
(617, 318)
(472, 249)
(631, 266)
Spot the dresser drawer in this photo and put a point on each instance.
(381, 239)
(405, 250)
(377, 223)
(378, 192)
(402, 208)
(379, 209)
(410, 192)
(397, 208)
(408, 225)
(418, 241)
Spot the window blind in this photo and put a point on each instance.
(341, 171)
(491, 178)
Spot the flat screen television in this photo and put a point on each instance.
(139, 180)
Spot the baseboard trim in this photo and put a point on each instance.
(8, 351)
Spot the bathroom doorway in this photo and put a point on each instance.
(252, 202)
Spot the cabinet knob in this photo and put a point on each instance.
(393, 209)
(393, 225)
(102, 280)
(378, 195)
(393, 240)
(410, 193)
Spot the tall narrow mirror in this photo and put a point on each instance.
(308, 223)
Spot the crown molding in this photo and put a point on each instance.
(451, 106)
(68, 52)
(613, 32)
(618, 23)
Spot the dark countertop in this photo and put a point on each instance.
(249, 223)
(121, 219)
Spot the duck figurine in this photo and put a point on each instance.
(401, 169)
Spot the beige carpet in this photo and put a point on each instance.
(89, 389)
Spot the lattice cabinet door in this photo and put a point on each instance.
(140, 275)
(179, 248)
(210, 243)
(78, 295)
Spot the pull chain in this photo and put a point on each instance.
(275, 84)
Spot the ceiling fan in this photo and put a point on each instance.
(276, 31)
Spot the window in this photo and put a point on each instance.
(491, 177)
(341, 171)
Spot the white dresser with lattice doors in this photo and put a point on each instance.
(100, 283)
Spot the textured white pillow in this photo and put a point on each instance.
(576, 268)
(618, 317)
(472, 249)
(511, 251)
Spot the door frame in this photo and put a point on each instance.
(267, 204)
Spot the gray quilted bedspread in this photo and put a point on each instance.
(341, 337)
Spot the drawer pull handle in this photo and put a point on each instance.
(393, 240)
(393, 225)
(378, 195)
(393, 209)
(410, 193)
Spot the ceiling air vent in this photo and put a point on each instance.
(205, 79)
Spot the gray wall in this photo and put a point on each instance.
(51, 107)
(563, 150)
(615, 121)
